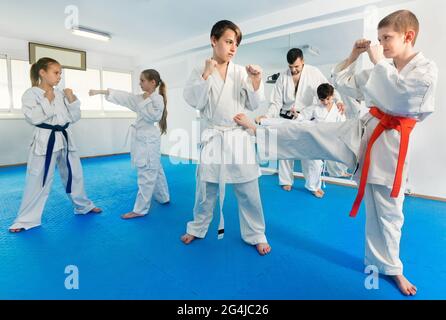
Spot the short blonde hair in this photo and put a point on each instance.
(401, 21)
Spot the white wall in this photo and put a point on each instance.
(93, 136)
(427, 139)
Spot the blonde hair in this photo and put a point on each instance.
(401, 21)
(41, 64)
(151, 74)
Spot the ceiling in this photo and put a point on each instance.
(137, 26)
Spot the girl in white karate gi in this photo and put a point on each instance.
(399, 94)
(52, 112)
(220, 90)
(150, 108)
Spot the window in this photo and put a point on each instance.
(20, 81)
(81, 82)
(116, 80)
(4, 90)
(17, 71)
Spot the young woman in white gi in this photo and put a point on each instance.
(220, 90)
(151, 108)
(399, 94)
(52, 112)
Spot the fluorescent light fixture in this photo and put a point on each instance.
(90, 33)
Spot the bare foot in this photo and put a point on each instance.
(263, 248)
(95, 210)
(406, 288)
(286, 188)
(16, 230)
(131, 215)
(318, 193)
(187, 238)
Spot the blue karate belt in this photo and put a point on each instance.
(49, 151)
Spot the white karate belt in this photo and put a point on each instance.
(222, 133)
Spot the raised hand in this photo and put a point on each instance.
(209, 68)
(255, 74)
(360, 46)
(376, 53)
(254, 71)
(69, 94)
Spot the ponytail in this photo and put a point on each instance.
(34, 75)
(42, 63)
(163, 122)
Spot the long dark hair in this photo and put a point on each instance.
(152, 74)
(42, 63)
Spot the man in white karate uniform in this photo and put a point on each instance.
(221, 90)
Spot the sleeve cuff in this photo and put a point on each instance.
(75, 103)
(108, 96)
(350, 69)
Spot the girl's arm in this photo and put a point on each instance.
(37, 109)
(119, 97)
(73, 105)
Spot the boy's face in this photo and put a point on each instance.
(225, 48)
(327, 102)
(394, 43)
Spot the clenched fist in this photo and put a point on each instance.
(209, 68)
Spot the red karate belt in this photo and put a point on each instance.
(386, 122)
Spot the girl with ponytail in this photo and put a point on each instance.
(151, 109)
